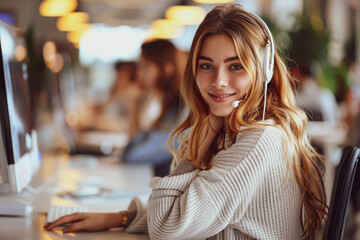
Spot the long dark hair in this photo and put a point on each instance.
(160, 51)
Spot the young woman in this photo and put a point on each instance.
(242, 172)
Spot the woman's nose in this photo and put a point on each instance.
(220, 79)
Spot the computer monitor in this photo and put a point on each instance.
(19, 154)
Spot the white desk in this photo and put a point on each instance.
(130, 178)
(31, 228)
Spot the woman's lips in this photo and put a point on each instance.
(223, 97)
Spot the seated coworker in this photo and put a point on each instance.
(113, 115)
(157, 112)
(245, 167)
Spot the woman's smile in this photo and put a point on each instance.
(221, 97)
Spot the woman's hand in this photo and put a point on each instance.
(87, 222)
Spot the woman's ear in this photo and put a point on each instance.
(169, 68)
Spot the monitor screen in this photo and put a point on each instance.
(16, 114)
(7, 17)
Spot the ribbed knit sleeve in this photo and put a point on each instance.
(139, 223)
(137, 210)
(247, 190)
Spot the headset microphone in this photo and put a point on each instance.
(236, 103)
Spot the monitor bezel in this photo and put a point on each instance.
(19, 167)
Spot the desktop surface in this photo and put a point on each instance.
(59, 179)
(31, 228)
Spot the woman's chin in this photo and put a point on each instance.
(221, 112)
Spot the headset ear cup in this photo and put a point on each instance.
(268, 69)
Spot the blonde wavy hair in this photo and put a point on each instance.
(249, 36)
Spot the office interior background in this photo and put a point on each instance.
(77, 42)
(73, 45)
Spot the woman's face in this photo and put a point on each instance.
(220, 77)
(147, 73)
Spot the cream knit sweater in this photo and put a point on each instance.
(247, 194)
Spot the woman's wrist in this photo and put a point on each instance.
(124, 218)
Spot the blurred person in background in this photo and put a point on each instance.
(158, 109)
(318, 103)
(124, 89)
(116, 110)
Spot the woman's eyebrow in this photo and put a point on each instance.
(230, 59)
(205, 58)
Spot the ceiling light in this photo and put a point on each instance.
(165, 28)
(72, 22)
(49, 51)
(57, 63)
(57, 8)
(185, 15)
(213, 1)
(20, 53)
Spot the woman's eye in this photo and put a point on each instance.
(205, 66)
(236, 67)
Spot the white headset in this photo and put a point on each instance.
(267, 54)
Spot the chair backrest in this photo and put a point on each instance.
(341, 193)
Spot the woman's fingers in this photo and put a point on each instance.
(87, 222)
(77, 226)
(75, 217)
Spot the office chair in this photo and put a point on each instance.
(341, 193)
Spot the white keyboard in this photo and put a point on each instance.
(57, 211)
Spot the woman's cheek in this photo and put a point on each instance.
(202, 81)
(241, 84)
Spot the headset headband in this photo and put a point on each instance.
(270, 67)
(268, 64)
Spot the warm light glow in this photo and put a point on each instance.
(75, 36)
(20, 53)
(49, 51)
(53, 60)
(57, 64)
(213, 1)
(165, 29)
(185, 15)
(57, 8)
(73, 21)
